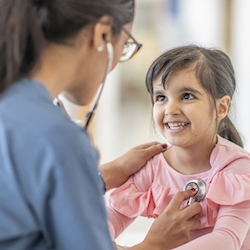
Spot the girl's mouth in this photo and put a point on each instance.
(176, 125)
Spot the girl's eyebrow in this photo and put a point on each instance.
(189, 89)
(184, 89)
(158, 92)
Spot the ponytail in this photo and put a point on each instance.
(227, 130)
(21, 41)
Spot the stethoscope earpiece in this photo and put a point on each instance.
(200, 187)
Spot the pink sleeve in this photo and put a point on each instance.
(130, 200)
(229, 232)
(124, 204)
(117, 222)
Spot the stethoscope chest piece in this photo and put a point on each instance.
(200, 187)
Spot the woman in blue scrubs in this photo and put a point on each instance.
(50, 190)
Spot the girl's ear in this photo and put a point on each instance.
(102, 33)
(223, 106)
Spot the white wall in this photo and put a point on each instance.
(241, 59)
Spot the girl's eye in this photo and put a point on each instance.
(161, 98)
(188, 96)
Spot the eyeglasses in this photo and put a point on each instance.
(131, 47)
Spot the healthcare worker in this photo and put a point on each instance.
(50, 190)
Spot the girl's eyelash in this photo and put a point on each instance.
(159, 97)
(189, 94)
(185, 96)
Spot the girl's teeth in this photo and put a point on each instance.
(178, 125)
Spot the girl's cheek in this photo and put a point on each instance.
(154, 114)
(158, 117)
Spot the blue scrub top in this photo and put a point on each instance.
(50, 191)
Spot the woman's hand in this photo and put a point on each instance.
(115, 173)
(172, 228)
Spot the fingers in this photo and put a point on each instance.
(173, 226)
(185, 215)
(147, 145)
(152, 149)
(180, 197)
(193, 224)
(192, 210)
(189, 212)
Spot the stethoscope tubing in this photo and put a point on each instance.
(93, 107)
(100, 90)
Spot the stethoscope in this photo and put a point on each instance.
(199, 186)
(99, 92)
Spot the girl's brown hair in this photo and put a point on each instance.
(213, 69)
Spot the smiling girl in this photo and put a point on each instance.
(191, 89)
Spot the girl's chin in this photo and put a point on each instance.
(178, 142)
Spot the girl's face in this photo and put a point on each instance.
(183, 111)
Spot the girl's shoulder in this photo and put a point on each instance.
(157, 163)
(230, 157)
(146, 175)
(157, 170)
(229, 182)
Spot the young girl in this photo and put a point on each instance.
(191, 89)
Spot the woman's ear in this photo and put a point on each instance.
(102, 33)
(222, 107)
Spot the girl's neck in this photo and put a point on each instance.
(190, 160)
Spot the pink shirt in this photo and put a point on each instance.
(225, 216)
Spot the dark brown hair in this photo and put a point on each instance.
(26, 26)
(213, 69)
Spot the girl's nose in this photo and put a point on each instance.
(172, 108)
